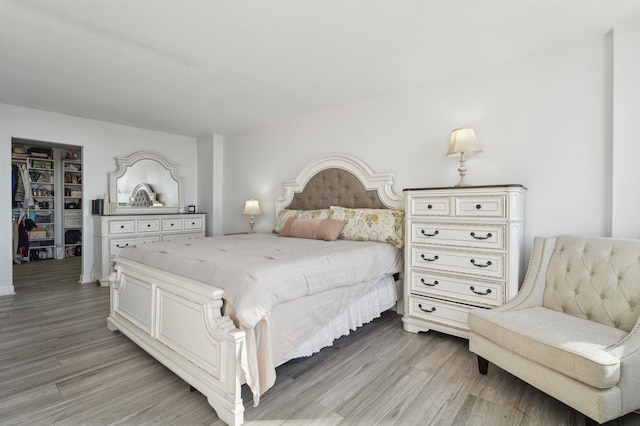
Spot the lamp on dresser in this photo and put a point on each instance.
(463, 142)
(251, 208)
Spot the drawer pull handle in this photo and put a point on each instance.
(429, 235)
(121, 226)
(148, 225)
(433, 308)
(429, 206)
(172, 224)
(193, 224)
(489, 235)
(124, 246)
(481, 293)
(433, 284)
(478, 206)
(473, 261)
(430, 260)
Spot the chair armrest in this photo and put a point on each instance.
(629, 346)
(628, 352)
(532, 291)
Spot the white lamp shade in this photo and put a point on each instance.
(252, 207)
(463, 141)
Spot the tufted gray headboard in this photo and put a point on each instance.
(335, 187)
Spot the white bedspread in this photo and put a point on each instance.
(259, 271)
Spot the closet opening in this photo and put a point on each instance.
(46, 190)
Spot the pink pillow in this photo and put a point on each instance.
(317, 229)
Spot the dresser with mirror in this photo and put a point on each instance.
(145, 205)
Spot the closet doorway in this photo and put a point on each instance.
(46, 200)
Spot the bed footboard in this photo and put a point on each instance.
(179, 322)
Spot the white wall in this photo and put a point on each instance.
(626, 143)
(101, 143)
(543, 122)
(210, 183)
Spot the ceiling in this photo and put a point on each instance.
(199, 67)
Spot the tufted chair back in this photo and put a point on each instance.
(596, 279)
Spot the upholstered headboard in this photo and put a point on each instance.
(335, 187)
(338, 180)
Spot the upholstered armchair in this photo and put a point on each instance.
(572, 330)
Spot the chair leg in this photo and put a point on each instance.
(483, 365)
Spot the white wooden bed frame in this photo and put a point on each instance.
(179, 322)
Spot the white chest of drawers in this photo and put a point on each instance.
(112, 234)
(464, 250)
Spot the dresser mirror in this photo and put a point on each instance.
(146, 183)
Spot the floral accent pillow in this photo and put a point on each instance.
(384, 225)
(285, 214)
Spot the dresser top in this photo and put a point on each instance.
(511, 185)
(145, 215)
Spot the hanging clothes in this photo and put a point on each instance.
(17, 186)
(24, 226)
(26, 181)
(14, 225)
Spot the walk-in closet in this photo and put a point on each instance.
(46, 190)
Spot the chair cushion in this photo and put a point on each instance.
(572, 346)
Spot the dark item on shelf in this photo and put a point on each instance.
(77, 251)
(97, 206)
(36, 151)
(44, 217)
(72, 236)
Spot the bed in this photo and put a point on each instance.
(226, 310)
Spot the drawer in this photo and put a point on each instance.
(171, 224)
(148, 225)
(438, 311)
(174, 237)
(73, 219)
(475, 206)
(119, 244)
(470, 291)
(481, 236)
(194, 223)
(122, 226)
(430, 206)
(491, 265)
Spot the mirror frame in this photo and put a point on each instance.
(123, 163)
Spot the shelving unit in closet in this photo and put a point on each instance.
(37, 172)
(72, 169)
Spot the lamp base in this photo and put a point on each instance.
(462, 169)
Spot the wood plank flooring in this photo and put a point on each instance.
(60, 365)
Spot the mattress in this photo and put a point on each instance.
(259, 271)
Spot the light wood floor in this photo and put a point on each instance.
(60, 365)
